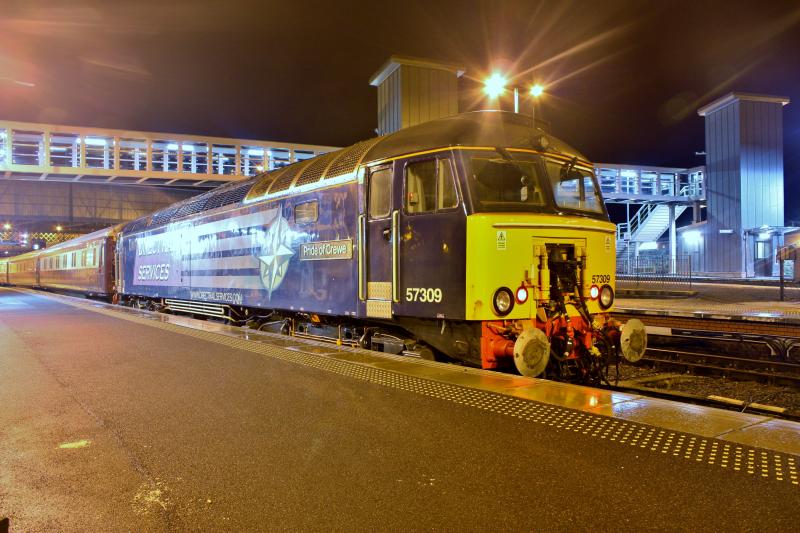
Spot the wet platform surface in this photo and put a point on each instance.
(172, 423)
(725, 301)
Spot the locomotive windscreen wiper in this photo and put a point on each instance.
(507, 156)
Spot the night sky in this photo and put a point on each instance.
(624, 79)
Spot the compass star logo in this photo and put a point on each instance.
(275, 254)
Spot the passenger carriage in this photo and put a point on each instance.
(3, 271)
(84, 264)
(23, 270)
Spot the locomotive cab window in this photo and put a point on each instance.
(574, 187)
(430, 186)
(501, 183)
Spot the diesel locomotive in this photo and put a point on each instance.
(475, 238)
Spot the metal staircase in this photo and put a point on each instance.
(647, 225)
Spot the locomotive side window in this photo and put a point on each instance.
(430, 186)
(446, 193)
(421, 186)
(380, 193)
(307, 212)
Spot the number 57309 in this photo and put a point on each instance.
(425, 295)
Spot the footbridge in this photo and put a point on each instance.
(78, 178)
(654, 198)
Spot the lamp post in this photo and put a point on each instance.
(495, 85)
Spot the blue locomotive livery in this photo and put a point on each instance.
(475, 238)
(263, 255)
(295, 252)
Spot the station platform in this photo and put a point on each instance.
(743, 308)
(118, 419)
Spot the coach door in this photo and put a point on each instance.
(378, 228)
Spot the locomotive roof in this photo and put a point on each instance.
(475, 129)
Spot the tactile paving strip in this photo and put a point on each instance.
(737, 458)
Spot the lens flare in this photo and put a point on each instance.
(494, 85)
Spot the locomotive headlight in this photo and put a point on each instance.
(606, 297)
(522, 295)
(503, 301)
(594, 292)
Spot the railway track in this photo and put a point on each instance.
(724, 365)
(682, 360)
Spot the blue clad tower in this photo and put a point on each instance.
(744, 188)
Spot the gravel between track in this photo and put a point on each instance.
(748, 391)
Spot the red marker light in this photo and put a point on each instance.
(522, 295)
(594, 292)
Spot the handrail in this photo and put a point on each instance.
(635, 222)
(689, 190)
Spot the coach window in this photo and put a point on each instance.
(380, 193)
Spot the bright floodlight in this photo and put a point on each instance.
(59, 228)
(537, 90)
(6, 226)
(494, 85)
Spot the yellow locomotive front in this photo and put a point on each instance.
(540, 265)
